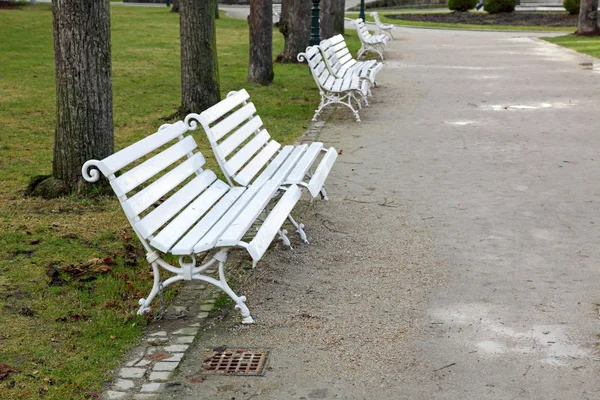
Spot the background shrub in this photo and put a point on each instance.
(572, 6)
(461, 5)
(499, 6)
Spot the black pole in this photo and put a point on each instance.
(315, 35)
(361, 14)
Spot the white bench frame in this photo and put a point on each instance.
(368, 41)
(247, 155)
(334, 90)
(341, 63)
(384, 29)
(194, 212)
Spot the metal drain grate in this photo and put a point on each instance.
(248, 362)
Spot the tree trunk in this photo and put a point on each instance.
(588, 19)
(199, 69)
(295, 27)
(216, 9)
(175, 7)
(260, 66)
(327, 17)
(339, 9)
(84, 118)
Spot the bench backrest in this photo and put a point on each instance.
(316, 64)
(241, 145)
(336, 54)
(361, 28)
(375, 16)
(155, 180)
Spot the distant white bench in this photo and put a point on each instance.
(248, 155)
(346, 90)
(276, 12)
(177, 207)
(368, 41)
(342, 64)
(384, 29)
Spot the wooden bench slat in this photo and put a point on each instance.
(169, 208)
(209, 240)
(141, 173)
(188, 217)
(189, 240)
(239, 136)
(309, 156)
(318, 179)
(150, 194)
(240, 224)
(257, 163)
(231, 121)
(215, 112)
(145, 146)
(272, 224)
(241, 157)
(274, 165)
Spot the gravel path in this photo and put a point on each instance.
(457, 258)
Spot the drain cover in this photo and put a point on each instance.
(248, 362)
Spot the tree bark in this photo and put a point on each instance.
(260, 66)
(82, 59)
(216, 9)
(199, 69)
(339, 9)
(327, 17)
(175, 7)
(588, 19)
(295, 27)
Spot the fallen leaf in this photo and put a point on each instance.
(95, 261)
(194, 379)
(5, 370)
(161, 355)
(110, 304)
(340, 152)
(102, 269)
(109, 261)
(113, 337)
(34, 241)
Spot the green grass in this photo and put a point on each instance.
(586, 45)
(420, 24)
(64, 338)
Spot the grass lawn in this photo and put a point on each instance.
(63, 325)
(402, 22)
(586, 45)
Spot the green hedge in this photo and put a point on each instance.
(461, 5)
(499, 6)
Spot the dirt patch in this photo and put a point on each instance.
(515, 18)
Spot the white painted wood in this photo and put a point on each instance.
(289, 164)
(192, 213)
(318, 179)
(240, 225)
(273, 222)
(150, 194)
(145, 146)
(146, 170)
(186, 244)
(274, 165)
(262, 158)
(308, 158)
(215, 112)
(231, 121)
(209, 240)
(169, 208)
(239, 136)
(241, 157)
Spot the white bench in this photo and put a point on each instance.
(384, 29)
(342, 64)
(368, 41)
(248, 156)
(334, 90)
(276, 13)
(177, 207)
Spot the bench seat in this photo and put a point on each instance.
(248, 156)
